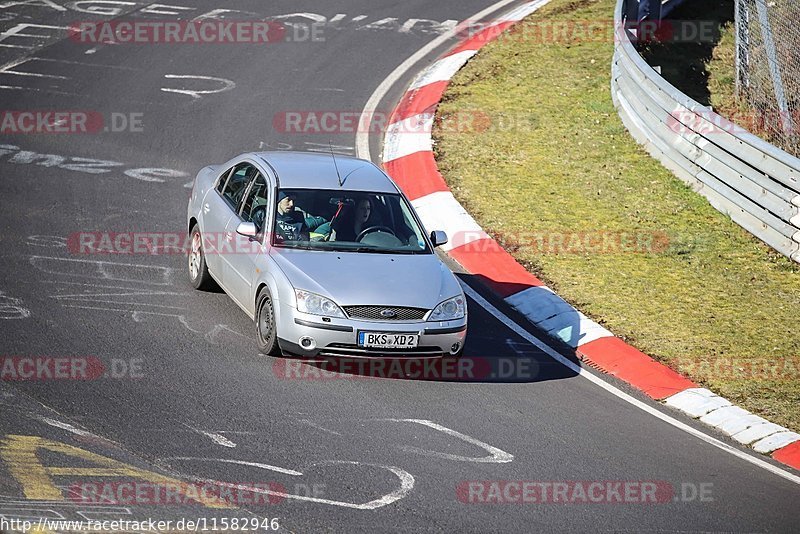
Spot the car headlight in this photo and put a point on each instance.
(450, 309)
(308, 302)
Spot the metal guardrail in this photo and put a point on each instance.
(741, 175)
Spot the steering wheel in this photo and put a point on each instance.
(375, 229)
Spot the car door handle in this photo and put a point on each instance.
(228, 236)
(206, 207)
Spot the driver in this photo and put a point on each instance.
(363, 211)
(351, 220)
(289, 222)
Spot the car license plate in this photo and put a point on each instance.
(385, 340)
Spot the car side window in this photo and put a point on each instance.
(223, 179)
(254, 207)
(237, 184)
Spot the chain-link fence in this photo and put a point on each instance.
(768, 68)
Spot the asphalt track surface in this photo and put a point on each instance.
(403, 445)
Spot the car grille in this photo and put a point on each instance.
(373, 313)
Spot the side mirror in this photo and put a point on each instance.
(247, 229)
(438, 238)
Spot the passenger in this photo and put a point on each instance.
(290, 223)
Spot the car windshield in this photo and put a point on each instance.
(347, 221)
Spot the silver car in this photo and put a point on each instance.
(326, 255)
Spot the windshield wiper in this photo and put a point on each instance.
(384, 250)
(301, 247)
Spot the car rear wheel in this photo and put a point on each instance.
(266, 333)
(198, 270)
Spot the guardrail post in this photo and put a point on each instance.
(741, 23)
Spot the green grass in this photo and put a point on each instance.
(714, 304)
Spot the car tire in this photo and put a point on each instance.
(199, 276)
(266, 333)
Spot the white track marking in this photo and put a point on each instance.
(184, 322)
(12, 308)
(227, 85)
(102, 301)
(83, 64)
(496, 456)
(577, 369)
(66, 426)
(239, 462)
(211, 335)
(70, 428)
(37, 90)
(8, 70)
(406, 483)
(50, 265)
(133, 312)
(219, 439)
(311, 423)
(17, 32)
(362, 138)
(19, 156)
(131, 293)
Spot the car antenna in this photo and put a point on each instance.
(339, 176)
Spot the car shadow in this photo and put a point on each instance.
(499, 347)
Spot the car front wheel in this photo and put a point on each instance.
(266, 333)
(198, 270)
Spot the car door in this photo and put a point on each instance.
(240, 269)
(219, 207)
(214, 216)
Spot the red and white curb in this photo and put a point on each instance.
(408, 159)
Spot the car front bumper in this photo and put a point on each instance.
(339, 337)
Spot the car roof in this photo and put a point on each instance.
(309, 170)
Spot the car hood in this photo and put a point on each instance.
(351, 279)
